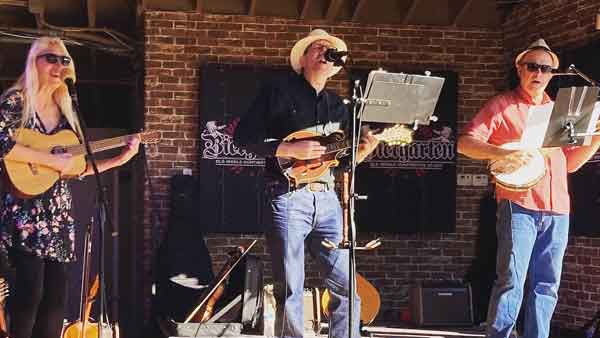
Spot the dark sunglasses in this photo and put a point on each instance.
(534, 67)
(53, 59)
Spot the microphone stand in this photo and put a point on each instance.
(572, 70)
(583, 76)
(100, 202)
(351, 244)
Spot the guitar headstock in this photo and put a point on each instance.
(396, 135)
(149, 137)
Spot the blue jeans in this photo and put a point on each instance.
(296, 217)
(530, 244)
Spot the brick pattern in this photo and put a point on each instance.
(177, 44)
(564, 25)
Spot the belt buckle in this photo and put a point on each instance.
(316, 187)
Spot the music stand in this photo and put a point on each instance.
(388, 98)
(573, 118)
(400, 98)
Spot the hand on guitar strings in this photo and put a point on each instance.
(62, 162)
(511, 162)
(302, 150)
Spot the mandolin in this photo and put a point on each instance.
(30, 179)
(306, 171)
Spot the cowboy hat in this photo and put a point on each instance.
(314, 35)
(539, 44)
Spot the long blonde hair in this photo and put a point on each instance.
(28, 84)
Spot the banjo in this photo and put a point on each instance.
(526, 176)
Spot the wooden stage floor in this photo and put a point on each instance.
(380, 332)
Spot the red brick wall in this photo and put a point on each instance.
(177, 44)
(564, 25)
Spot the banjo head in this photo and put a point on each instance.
(524, 177)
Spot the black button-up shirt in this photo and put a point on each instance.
(283, 107)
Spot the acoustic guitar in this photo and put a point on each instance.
(4, 293)
(205, 308)
(84, 327)
(306, 171)
(370, 301)
(30, 179)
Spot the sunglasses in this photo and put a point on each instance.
(534, 67)
(319, 46)
(54, 59)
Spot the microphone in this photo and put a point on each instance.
(68, 77)
(573, 71)
(335, 56)
(567, 72)
(576, 71)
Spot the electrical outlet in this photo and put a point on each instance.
(187, 171)
(480, 180)
(464, 179)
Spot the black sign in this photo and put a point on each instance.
(411, 188)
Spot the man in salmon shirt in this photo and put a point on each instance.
(533, 225)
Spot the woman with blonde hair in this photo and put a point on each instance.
(37, 235)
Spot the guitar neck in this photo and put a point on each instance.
(98, 146)
(219, 280)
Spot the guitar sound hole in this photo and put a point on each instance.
(58, 150)
(33, 167)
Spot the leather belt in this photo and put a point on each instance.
(314, 186)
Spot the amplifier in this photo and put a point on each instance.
(312, 312)
(441, 305)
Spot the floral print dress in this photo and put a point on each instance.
(41, 225)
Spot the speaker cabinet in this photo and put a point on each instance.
(441, 305)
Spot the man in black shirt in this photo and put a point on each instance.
(303, 212)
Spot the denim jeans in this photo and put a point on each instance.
(530, 244)
(303, 217)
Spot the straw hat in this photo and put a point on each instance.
(539, 44)
(315, 35)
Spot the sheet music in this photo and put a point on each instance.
(538, 119)
(409, 98)
(574, 116)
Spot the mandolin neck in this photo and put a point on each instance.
(98, 146)
(345, 144)
(337, 146)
